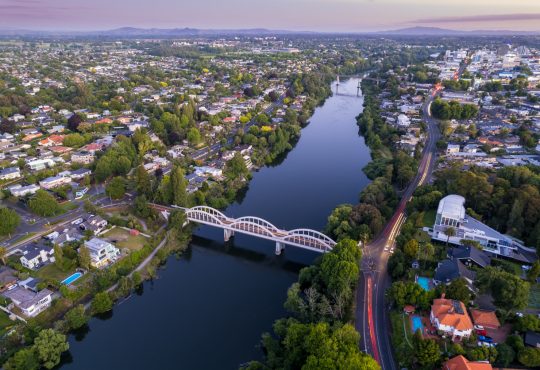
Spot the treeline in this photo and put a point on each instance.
(507, 199)
(318, 333)
(444, 110)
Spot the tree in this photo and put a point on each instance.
(459, 290)
(527, 323)
(102, 303)
(58, 257)
(43, 204)
(143, 182)
(508, 290)
(77, 317)
(83, 257)
(10, 221)
(73, 122)
(49, 346)
(529, 357)
(194, 136)
(534, 271)
(25, 359)
(427, 351)
(411, 248)
(178, 186)
(3, 252)
(450, 232)
(505, 355)
(236, 168)
(116, 189)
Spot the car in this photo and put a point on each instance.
(486, 339)
(479, 327)
(392, 250)
(482, 332)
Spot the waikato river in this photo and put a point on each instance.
(209, 307)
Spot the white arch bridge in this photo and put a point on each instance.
(255, 226)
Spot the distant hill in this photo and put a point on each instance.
(436, 31)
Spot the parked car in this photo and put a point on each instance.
(482, 332)
(486, 339)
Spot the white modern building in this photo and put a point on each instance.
(30, 303)
(102, 253)
(451, 214)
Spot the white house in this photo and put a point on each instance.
(54, 182)
(451, 214)
(452, 149)
(21, 191)
(102, 253)
(451, 317)
(40, 164)
(35, 255)
(30, 303)
(84, 157)
(403, 121)
(10, 173)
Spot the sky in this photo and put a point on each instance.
(301, 15)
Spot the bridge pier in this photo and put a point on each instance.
(227, 234)
(279, 248)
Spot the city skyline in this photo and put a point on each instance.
(294, 15)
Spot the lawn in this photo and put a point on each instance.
(534, 296)
(429, 218)
(52, 272)
(123, 239)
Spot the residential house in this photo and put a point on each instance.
(532, 339)
(470, 256)
(10, 173)
(40, 164)
(83, 156)
(449, 270)
(451, 317)
(94, 223)
(461, 363)
(80, 173)
(102, 253)
(487, 319)
(36, 255)
(54, 182)
(30, 303)
(21, 191)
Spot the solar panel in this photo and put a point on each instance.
(457, 307)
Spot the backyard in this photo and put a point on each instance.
(124, 239)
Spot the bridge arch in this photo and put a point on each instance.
(259, 221)
(251, 227)
(212, 211)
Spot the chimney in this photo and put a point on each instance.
(443, 295)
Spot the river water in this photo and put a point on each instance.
(208, 308)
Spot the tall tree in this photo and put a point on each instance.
(10, 221)
(49, 346)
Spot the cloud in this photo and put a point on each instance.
(482, 18)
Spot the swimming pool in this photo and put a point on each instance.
(423, 282)
(417, 324)
(71, 278)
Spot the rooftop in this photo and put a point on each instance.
(452, 206)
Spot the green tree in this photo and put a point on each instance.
(508, 290)
(116, 189)
(178, 186)
(534, 271)
(529, 357)
(59, 257)
(236, 168)
(24, 359)
(505, 355)
(143, 182)
(459, 290)
(427, 351)
(77, 317)
(411, 248)
(49, 346)
(194, 136)
(83, 257)
(43, 204)
(450, 233)
(10, 221)
(102, 303)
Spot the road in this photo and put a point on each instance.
(372, 320)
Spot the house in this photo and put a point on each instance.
(83, 156)
(35, 255)
(487, 319)
(94, 223)
(452, 149)
(68, 235)
(7, 278)
(10, 173)
(102, 253)
(470, 256)
(461, 363)
(403, 121)
(451, 215)
(30, 303)
(451, 317)
(40, 164)
(54, 182)
(80, 173)
(449, 270)
(532, 339)
(21, 191)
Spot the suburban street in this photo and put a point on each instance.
(372, 321)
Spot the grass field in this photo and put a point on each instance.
(123, 239)
(51, 271)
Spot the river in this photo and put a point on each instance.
(209, 307)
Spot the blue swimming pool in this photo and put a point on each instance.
(71, 278)
(417, 324)
(423, 282)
